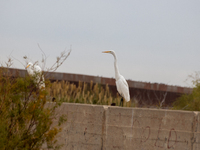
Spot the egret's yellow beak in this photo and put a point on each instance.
(106, 52)
(27, 66)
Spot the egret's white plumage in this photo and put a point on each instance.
(122, 85)
(36, 71)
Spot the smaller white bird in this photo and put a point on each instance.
(122, 85)
(36, 71)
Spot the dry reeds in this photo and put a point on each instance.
(83, 93)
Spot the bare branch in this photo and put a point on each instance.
(164, 98)
(25, 57)
(44, 57)
(59, 61)
(156, 96)
(9, 63)
(41, 50)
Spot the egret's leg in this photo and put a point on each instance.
(121, 102)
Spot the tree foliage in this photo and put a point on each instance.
(190, 101)
(26, 122)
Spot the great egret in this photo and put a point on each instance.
(122, 85)
(36, 71)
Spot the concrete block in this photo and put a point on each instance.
(93, 127)
(83, 129)
(147, 129)
(196, 130)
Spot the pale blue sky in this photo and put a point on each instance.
(155, 41)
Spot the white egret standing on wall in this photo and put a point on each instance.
(36, 72)
(122, 85)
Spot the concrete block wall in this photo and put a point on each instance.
(94, 127)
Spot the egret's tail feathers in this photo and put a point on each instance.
(127, 99)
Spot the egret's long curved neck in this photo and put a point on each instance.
(117, 74)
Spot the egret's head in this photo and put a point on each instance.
(29, 64)
(110, 52)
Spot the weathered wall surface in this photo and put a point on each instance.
(93, 127)
(83, 129)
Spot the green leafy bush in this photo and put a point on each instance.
(190, 101)
(25, 122)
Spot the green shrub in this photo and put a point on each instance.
(190, 101)
(25, 122)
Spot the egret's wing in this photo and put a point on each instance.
(30, 71)
(39, 78)
(124, 82)
(42, 83)
(36, 72)
(122, 88)
(37, 69)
